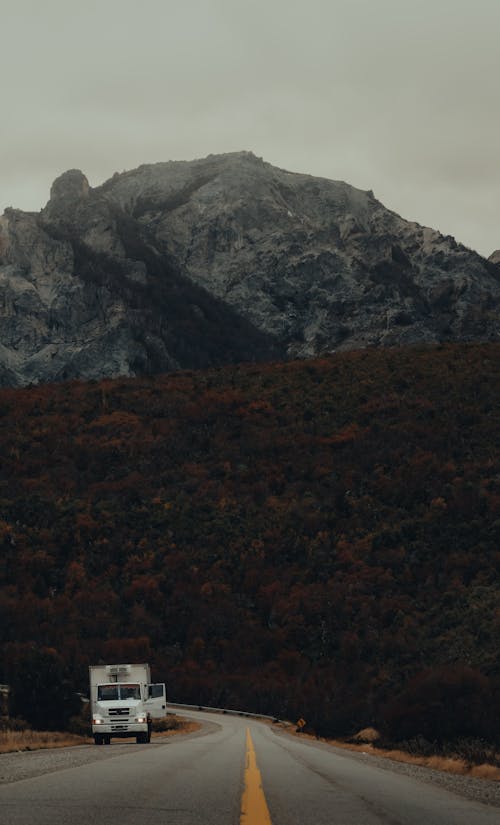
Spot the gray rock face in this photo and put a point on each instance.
(69, 187)
(53, 325)
(190, 264)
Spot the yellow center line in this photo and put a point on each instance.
(254, 810)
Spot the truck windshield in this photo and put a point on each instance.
(130, 692)
(112, 693)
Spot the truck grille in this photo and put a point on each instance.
(119, 711)
(119, 727)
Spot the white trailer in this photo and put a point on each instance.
(123, 702)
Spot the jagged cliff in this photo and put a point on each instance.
(190, 264)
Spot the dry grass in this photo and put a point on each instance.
(445, 763)
(439, 763)
(485, 772)
(181, 726)
(367, 735)
(32, 740)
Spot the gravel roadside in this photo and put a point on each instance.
(27, 764)
(479, 790)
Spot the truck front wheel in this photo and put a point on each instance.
(98, 740)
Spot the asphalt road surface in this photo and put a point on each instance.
(234, 771)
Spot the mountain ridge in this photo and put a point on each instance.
(222, 259)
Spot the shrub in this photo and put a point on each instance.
(170, 722)
(40, 691)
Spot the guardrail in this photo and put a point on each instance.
(229, 711)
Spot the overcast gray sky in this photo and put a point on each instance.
(396, 96)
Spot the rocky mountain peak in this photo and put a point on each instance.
(66, 193)
(495, 257)
(186, 264)
(71, 185)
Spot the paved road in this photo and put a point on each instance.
(201, 779)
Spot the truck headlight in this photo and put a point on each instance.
(140, 719)
(97, 721)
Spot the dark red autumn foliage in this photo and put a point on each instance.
(300, 539)
(443, 703)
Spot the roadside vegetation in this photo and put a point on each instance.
(172, 725)
(474, 758)
(466, 758)
(315, 539)
(16, 736)
(32, 740)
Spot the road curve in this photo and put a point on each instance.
(205, 778)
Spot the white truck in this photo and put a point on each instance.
(123, 702)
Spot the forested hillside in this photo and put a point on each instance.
(312, 538)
